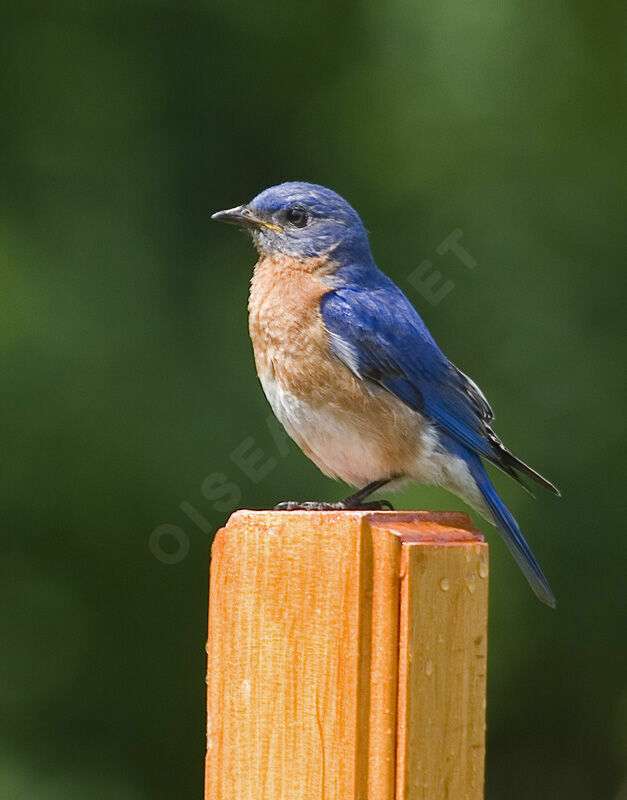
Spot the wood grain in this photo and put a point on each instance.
(303, 656)
(442, 663)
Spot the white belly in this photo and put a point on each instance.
(343, 446)
(332, 441)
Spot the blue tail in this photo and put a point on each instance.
(511, 533)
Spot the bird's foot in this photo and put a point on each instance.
(354, 502)
(342, 505)
(308, 505)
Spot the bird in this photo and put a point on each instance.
(354, 375)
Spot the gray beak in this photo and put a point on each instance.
(242, 215)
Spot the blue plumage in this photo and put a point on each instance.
(391, 346)
(379, 336)
(390, 341)
(506, 524)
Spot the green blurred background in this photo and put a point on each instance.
(127, 377)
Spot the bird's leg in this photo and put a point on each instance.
(357, 500)
(353, 502)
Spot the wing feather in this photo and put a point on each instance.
(380, 336)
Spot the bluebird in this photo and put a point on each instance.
(352, 372)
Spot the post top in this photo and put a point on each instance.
(419, 527)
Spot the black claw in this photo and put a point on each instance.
(380, 505)
(372, 505)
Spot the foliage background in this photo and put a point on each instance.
(127, 375)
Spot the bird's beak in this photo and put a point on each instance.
(242, 215)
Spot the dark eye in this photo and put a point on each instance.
(297, 216)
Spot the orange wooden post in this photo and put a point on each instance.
(346, 657)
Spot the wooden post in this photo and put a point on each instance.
(346, 657)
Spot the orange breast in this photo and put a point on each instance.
(286, 328)
(292, 348)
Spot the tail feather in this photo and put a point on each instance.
(512, 535)
(513, 465)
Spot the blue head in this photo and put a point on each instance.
(303, 220)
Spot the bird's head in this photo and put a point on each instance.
(302, 220)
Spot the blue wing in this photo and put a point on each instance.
(380, 336)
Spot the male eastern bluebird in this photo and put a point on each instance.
(352, 372)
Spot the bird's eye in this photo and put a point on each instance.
(297, 216)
